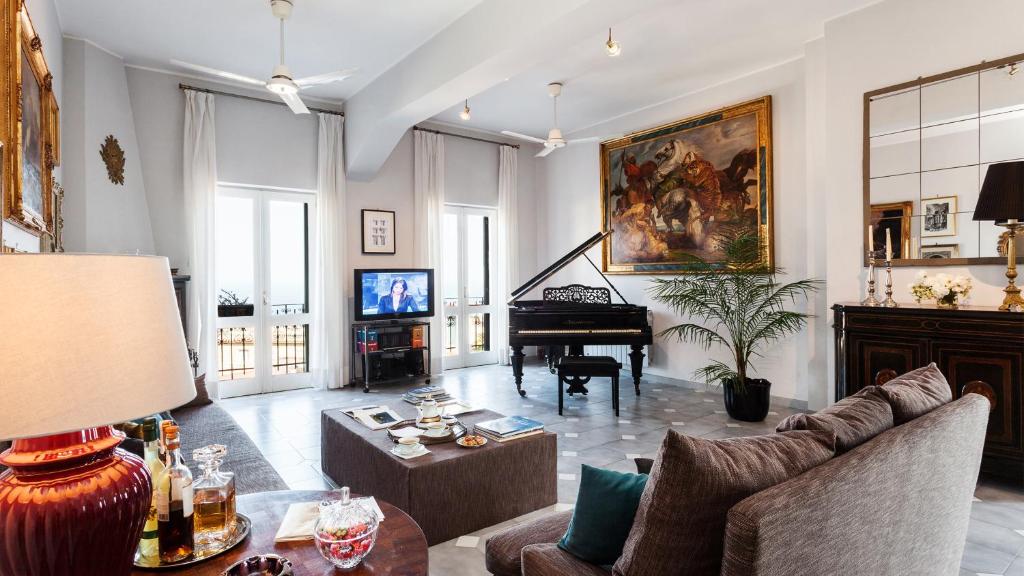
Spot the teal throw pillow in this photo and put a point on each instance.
(605, 506)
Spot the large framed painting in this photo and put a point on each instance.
(671, 193)
(31, 128)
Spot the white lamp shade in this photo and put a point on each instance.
(87, 340)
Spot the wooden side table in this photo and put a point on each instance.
(401, 548)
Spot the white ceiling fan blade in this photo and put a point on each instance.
(583, 140)
(547, 150)
(295, 103)
(327, 78)
(523, 137)
(220, 73)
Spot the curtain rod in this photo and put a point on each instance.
(254, 99)
(432, 131)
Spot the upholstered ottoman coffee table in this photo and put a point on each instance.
(453, 490)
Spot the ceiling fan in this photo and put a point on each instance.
(281, 81)
(554, 140)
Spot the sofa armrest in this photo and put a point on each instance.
(503, 550)
(550, 560)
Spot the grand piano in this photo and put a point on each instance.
(575, 316)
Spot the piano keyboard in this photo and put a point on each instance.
(583, 331)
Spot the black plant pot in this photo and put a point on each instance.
(232, 310)
(751, 403)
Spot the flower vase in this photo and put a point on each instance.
(947, 302)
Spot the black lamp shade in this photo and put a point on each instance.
(1002, 194)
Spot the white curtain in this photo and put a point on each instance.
(508, 253)
(200, 183)
(429, 194)
(328, 349)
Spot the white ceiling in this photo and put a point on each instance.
(668, 51)
(241, 36)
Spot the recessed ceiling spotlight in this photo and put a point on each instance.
(465, 111)
(613, 47)
(1013, 69)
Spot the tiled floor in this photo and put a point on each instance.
(286, 427)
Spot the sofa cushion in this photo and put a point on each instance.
(605, 506)
(680, 524)
(854, 419)
(503, 551)
(916, 393)
(550, 560)
(202, 397)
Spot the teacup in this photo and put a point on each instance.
(408, 445)
(436, 429)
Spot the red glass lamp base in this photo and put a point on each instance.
(71, 503)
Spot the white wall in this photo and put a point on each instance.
(569, 182)
(885, 44)
(101, 216)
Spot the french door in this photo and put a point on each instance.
(263, 248)
(468, 267)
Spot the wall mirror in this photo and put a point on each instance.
(927, 146)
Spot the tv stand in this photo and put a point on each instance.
(390, 351)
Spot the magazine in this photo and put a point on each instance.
(377, 418)
(510, 426)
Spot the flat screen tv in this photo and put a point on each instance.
(393, 293)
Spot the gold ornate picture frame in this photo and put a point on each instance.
(669, 193)
(31, 125)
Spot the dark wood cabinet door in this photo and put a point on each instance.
(994, 372)
(874, 361)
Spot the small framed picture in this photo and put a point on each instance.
(378, 231)
(940, 251)
(939, 216)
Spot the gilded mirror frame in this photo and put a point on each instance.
(920, 83)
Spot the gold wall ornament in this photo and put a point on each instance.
(113, 157)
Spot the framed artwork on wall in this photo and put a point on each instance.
(378, 231)
(896, 218)
(940, 251)
(32, 131)
(939, 216)
(668, 194)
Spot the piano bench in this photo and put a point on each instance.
(580, 369)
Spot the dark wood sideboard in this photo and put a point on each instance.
(978, 350)
(181, 293)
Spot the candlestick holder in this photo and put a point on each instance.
(888, 302)
(871, 300)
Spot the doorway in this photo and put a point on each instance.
(263, 246)
(468, 267)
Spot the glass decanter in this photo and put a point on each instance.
(214, 498)
(345, 532)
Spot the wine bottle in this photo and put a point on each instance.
(175, 521)
(149, 546)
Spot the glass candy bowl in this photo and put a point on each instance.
(345, 532)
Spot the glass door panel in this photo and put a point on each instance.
(263, 326)
(468, 250)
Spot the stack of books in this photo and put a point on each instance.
(509, 428)
(418, 395)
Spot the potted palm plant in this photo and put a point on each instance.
(740, 307)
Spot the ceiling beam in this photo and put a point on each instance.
(484, 47)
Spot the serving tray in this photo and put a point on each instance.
(457, 430)
(242, 528)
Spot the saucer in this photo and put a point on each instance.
(407, 454)
(438, 433)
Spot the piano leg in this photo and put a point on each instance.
(636, 361)
(517, 368)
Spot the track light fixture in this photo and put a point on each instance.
(465, 111)
(1013, 69)
(613, 47)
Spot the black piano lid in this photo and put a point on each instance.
(561, 263)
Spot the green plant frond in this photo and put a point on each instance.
(715, 373)
(700, 335)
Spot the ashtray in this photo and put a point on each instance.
(262, 565)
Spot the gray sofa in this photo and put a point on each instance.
(897, 504)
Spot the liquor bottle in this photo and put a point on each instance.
(214, 498)
(174, 503)
(163, 428)
(149, 546)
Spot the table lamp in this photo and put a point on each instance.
(1001, 200)
(87, 341)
